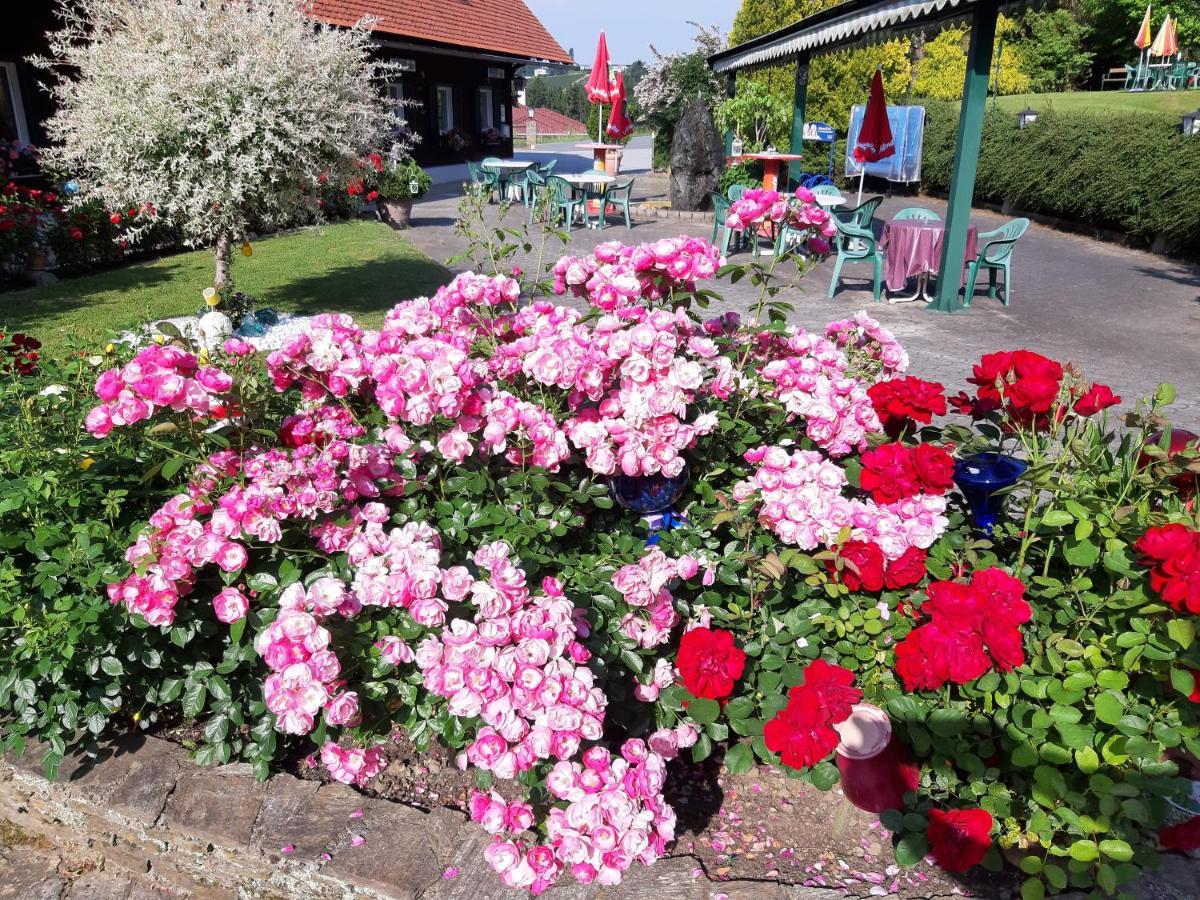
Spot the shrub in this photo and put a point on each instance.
(1127, 172)
(395, 182)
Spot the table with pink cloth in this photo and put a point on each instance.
(914, 247)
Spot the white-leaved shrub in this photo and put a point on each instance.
(225, 115)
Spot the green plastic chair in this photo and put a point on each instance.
(830, 190)
(720, 214)
(995, 255)
(618, 195)
(547, 168)
(535, 191)
(860, 216)
(1178, 76)
(483, 181)
(917, 212)
(857, 244)
(735, 192)
(564, 202)
(488, 160)
(1131, 76)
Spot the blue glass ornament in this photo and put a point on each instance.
(71, 188)
(647, 494)
(268, 316)
(981, 478)
(251, 327)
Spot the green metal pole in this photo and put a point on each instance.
(799, 102)
(730, 92)
(966, 156)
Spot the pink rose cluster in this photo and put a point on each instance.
(352, 765)
(158, 377)
(801, 211)
(800, 498)
(518, 667)
(324, 359)
(400, 568)
(616, 277)
(645, 586)
(873, 352)
(614, 815)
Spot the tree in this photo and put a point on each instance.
(1114, 23)
(1054, 49)
(218, 116)
(944, 65)
(754, 114)
(673, 80)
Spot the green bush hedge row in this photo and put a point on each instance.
(1134, 173)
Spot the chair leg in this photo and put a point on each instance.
(877, 265)
(628, 222)
(837, 273)
(1007, 282)
(992, 282)
(726, 234)
(969, 290)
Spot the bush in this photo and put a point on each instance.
(396, 181)
(1126, 172)
(748, 174)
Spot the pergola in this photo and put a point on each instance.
(863, 21)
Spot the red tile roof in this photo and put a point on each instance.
(547, 120)
(501, 26)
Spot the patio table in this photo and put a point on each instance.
(593, 184)
(828, 200)
(506, 168)
(771, 160)
(913, 247)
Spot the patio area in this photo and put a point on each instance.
(1128, 317)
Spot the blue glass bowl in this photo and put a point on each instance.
(981, 478)
(646, 494)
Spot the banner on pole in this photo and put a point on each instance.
(908, 131)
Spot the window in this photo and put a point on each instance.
(487, 115)
(445, 108)
(12, 113)
(397, 94)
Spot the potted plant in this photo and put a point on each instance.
(399, 186)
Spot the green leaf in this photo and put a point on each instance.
(1109, 707)
(704, 711)
(1182, 632)
(1183, 681)
(236, 630)
(1031, 865)
(1087, 760)
(1084, 851)
(740, 708)
(193, 699)
(1081, 553)
(1032, 889)
(740, 759)
(911, 849)
(1055, 875)
(1114, 680)
(110, 665)
(1057, 518)
(1118, 850)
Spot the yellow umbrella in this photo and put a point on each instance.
(1164, 42)
(1142, 41)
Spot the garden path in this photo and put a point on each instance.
(1130, 318)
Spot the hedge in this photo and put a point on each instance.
(1134, 173)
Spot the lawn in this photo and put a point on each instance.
(1172, 102)
(362, 268)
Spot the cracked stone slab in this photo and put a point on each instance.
(30, 874)
(217, 805)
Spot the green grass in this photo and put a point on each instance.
(362, 268)
(1173, 102)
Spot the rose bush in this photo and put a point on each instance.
(412, 528)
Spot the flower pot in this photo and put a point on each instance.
(981, 478)
(647, 494)
(399, 212)
(876, 768)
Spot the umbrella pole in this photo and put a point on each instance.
(861, 176)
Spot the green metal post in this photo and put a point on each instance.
(730, 92)
(966, 156)
(799, 102)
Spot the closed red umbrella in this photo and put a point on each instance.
(599, 86)
(874, 140)
(619, 123)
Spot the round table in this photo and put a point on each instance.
(828, 200)
(593, 184)
(505, 168)
(599, 152)
(913, 248)
(771, 160)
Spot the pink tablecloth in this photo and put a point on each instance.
(913, 246)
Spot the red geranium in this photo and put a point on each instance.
(1174, 553)
(862, 566)
(1183, 837)
(906, 570)
(903, 400)
(709, 663)
(971, 629)
(802, 733)
(892, 472)
(959, 838)
(1096, 398)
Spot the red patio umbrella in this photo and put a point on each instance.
(874, 140)
(599, 85)
(619, 124)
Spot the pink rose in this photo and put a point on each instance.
(230, 605)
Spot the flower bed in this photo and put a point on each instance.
(413, 528)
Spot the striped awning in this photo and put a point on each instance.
(852, 22)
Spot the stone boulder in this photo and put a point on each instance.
(697, 156)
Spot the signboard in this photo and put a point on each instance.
(819, 131)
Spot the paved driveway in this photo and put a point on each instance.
(1130, 318)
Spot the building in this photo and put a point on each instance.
(546, 122)
(458, 62)
(458, 59)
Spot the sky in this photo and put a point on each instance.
(630, 25)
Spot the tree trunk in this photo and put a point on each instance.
(221, 277)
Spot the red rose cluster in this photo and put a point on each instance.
(1027, 386)
(893, 472)
(906, 401)
(20, 354)
(802, 733)
(1182, 837)
(959, 838)
(971, 629)
(709, 663)
(1174, 552)
(865, 568)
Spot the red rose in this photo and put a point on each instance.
(1165, 542)
(115, 218)
(1097, 397)
(1182, 837)
(800, 732)
(907, 570)
(862, 566)
(906, 400)
(888, 473)
(372, 196)
(76, 234)
(833, 687)
(709, 663)
(934, 468)
(959, 838)
(1034, 394)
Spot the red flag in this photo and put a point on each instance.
(599, 85)
(875, 137)
(619, 124)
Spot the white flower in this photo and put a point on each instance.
(52, 390)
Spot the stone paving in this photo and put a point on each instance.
(1130, 318)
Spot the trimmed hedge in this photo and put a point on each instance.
(1133, 173)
